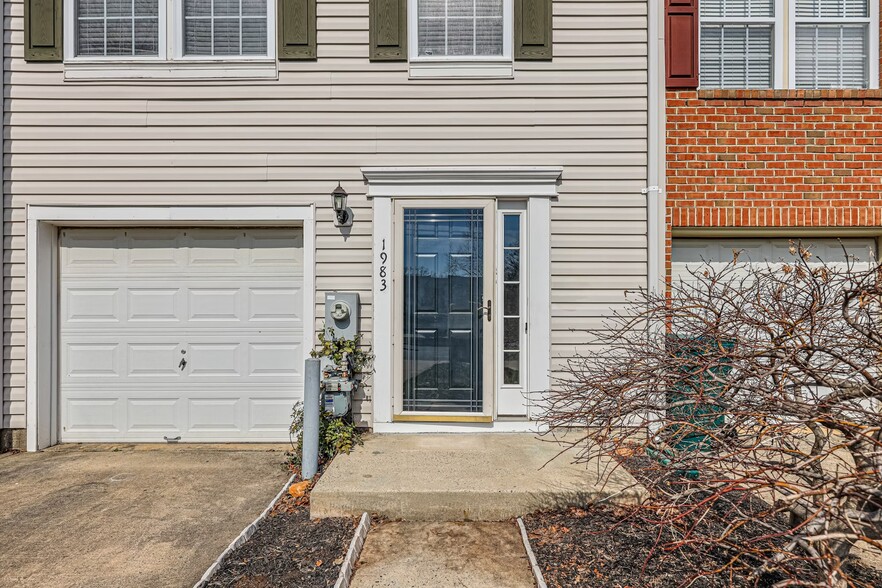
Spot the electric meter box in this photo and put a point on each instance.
(342, 314)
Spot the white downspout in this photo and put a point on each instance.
(655, 166)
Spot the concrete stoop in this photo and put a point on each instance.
(463, 477)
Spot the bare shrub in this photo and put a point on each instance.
(750, 393)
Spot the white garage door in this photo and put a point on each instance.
(190, 333)
(692, 253)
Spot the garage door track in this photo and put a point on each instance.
(128, 515)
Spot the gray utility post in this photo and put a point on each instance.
(311, 408)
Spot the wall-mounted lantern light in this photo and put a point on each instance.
(343, 214)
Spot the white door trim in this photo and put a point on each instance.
(536, 185)
(42, 282)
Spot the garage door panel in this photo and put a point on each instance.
(161, 415)
(275, 303)
(90, 414)
(154, 304)
(89, 304)
(693, 254)
(93, 360)
(153, 360)
(227, 301)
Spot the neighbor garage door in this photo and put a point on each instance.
(190, 333)
(692, 253)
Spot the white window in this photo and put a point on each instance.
(804, 44)
(737, 46)
(169, 30)
(452, 38)
(459, 28)
(832, 43)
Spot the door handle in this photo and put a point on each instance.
(182, 364)
(488, 309)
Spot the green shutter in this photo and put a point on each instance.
(388, 30)
(532, 29)
(297, 29)
(42, 30)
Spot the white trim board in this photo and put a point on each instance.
(537, 186)
(462, 182)
(42, 282)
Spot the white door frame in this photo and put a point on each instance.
(535, 185)
(43, 223)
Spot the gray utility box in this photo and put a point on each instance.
(342, 314)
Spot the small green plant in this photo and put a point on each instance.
(336, 435)
(335, 348)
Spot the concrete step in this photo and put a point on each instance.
(443, 554)
(463, 477)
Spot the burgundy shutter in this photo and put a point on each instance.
(681, 43)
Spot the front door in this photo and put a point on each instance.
(446, 312)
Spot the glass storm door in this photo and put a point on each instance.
(446, 291)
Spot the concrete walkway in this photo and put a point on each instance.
(483, 477)
(113, 516)
(429, 555)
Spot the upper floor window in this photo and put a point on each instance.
(195, 29)
(464, 30)
(802, 44)
(832, 43)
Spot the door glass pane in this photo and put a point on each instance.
(443, 323)
(511, 299)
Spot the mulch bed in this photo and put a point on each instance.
(604, 547)
(288, 549)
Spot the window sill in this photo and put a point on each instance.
(461, 69)
(92, 71)
(853, 94)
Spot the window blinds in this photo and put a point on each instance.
(736, 56)
(832, 8)
(225, 27)
(831, 56)
(117, 27)
(736, 8)
(736, 47)
(459, 28)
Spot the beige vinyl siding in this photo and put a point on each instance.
(289, 141)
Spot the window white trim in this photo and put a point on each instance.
(460, 66)
(779, 76)
(81, 70)
(872, 22)
(41, 401)
(535, 185)
(170, 63)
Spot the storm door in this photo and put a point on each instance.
(446, 311)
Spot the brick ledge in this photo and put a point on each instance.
(789, 94)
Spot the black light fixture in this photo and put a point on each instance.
(344, 215)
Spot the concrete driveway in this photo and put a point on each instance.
(128, 515)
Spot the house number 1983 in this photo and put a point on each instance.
(384, 257)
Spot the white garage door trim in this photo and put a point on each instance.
(42, 282)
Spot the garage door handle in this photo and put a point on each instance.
(182, 364)
(172, 439)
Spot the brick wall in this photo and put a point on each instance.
(783, 158)
(774, 158)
